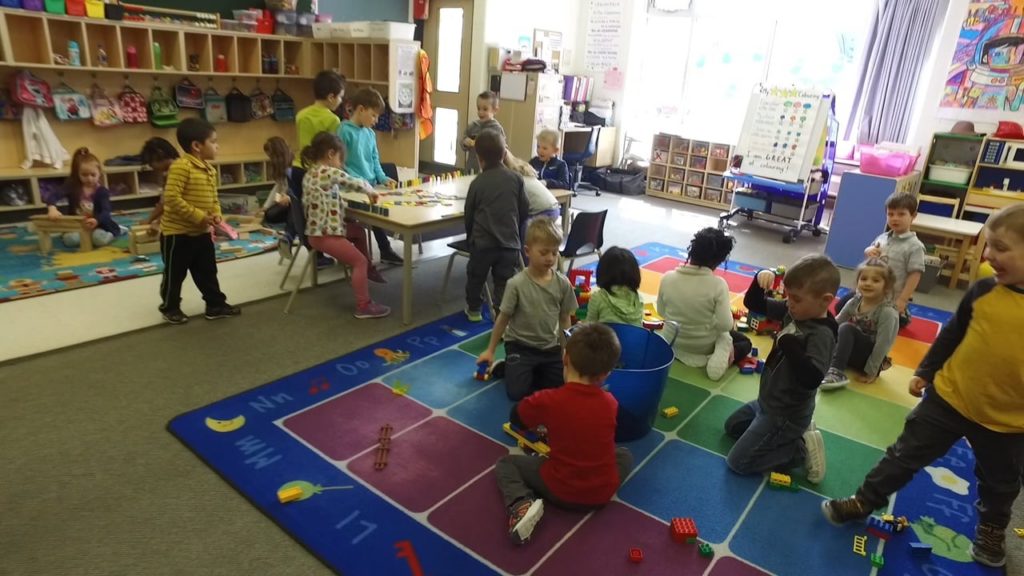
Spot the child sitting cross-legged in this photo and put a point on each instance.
(775, 431)
(535, 309)
(618, 277)
(867, 327)
(584, 468)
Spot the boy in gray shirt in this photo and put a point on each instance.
(486, 106)
(496, 205)
(536, 309)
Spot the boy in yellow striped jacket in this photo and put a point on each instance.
(191, 208)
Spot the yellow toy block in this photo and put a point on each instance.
(1019, 532)
(670, 412)
(858, 545)
(289, 494)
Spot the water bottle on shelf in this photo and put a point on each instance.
(101, 56)
(74, 54)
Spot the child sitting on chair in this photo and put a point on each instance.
(775, 431)
(87, 197)
(699, 305)
(535, 310)
(584, 468)
(867, 327)
(552, 170)
(618, 277)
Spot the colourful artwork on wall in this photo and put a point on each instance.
(987, 71)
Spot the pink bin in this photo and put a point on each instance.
(886, 163)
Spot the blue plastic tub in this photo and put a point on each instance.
(639, 381)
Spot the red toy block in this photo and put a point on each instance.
(683, 530)
(636, 555)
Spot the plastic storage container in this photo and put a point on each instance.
(391, 30)
(10, 4)
(247, 15)
(640, 383)
(55, 6)
(886, 163)
(95, 9)
(951, 174)
(34, 5)
(75, 7)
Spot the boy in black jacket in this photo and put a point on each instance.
(496, 205)
(775, 431)
(551, 170)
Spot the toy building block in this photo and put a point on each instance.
(858, 545)
(289, 494)
(737, 313)
(683, 530)
(879, 528)
(579, 273)
(746, 369)
(877, 560)
(760, 366)
(781, 481)
(920, 549)
(705, 550)
(527, 440)
(748, 365)
(898, 523)
(482, 373)
(670, 412)
(636, 555)
(754, 352)
(383, 447)
(1019, 532)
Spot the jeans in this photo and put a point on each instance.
(853, 348)
(764, 442)
(100, 237)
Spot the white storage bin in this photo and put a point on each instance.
(323, 30)
(951, 174)
(358, 29)
(391, 30)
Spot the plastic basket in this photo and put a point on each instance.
(886, 163)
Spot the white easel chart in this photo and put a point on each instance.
(781, 133)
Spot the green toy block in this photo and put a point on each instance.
(877, 560)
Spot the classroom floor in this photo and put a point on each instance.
(93, 479)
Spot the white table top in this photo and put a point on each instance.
(947, 225)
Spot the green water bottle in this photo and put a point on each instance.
(158, 59)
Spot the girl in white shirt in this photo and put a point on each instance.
(700, 304)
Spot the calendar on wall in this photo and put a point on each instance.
(783, 133)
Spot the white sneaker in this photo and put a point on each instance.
(718, 362)
(834, 380)
(523, 520)
(815, 463)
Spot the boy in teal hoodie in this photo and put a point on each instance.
(363, 160)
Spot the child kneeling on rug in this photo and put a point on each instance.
(775, 431)
(584, 468)
(972, 380)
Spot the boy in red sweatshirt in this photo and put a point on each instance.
(584, 468)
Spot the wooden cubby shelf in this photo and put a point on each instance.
(689, 171)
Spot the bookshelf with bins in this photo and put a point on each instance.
(689, 171)
(997, 180)
(31, 40)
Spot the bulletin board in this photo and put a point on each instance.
(782, 132)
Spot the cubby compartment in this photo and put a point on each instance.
(363, 61)
(16, 194)
(230, 175)
(28, 36)
(662, 141)
(695, 178)
(713, 181)
(347, 62)
(679, 159)
(122, 184)
(224, 50)
(719, 151)
(150, 183)
(51, 191)
(692, 192)
(332, 54)
(63, 33)
(660, 155)
(271, 56)
(168, 47)
(713, 195)
(698, 162)
(379, 63)
(141, 41)
(198, 52)
(103, 39)
(675, 188)
(252, 172)
(699, 148)
(656, 184)
(658, 171)
(293, 63)
(316, 59)
(676, 174)
(680, 145)
(249, 60)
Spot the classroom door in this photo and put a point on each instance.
(447, 38)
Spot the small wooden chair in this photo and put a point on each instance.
(45, 227)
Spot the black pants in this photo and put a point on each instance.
(501, 263)
(904, 316)
(931, 429)
(741, 345)
(528, 369)
(276, 214)
(183, 254)
(853, 348)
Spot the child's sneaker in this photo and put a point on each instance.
(523, 518)
(323, 261)
(498, 369)
(834, 379)
(374, 275)
(815, 463)
(174, 316)
(989, 546)
(391, 257)
(845, 510)
(474, 315)
(372, 310)
(225, 311)
(886, 363)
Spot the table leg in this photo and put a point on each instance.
(960, 257)
(979, 250)
(566, 205)
(45, 242)
(407, 242)
(86, 240)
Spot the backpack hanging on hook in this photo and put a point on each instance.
(284, 106)
(188, 95)
(133, 106)
(215, 110)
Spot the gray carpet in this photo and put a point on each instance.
(93, 484)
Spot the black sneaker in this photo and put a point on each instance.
(391, 257)
(989, 546)
(523, 518)
(174, 317)
(498, 370)
(225, 311)
(845, 510)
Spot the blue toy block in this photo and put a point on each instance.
(747, 370)
(920, 549)
(881, 529)
(760, 366)
(753, 352)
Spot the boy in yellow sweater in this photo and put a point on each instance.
(972, 380)
(191, 208)
(328, 89)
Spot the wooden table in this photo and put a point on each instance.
(45, 226)
(409, 221)
(963, 234)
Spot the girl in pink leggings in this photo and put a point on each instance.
(326, 228)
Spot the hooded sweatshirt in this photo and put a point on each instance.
(700, 303)
(620, 304)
